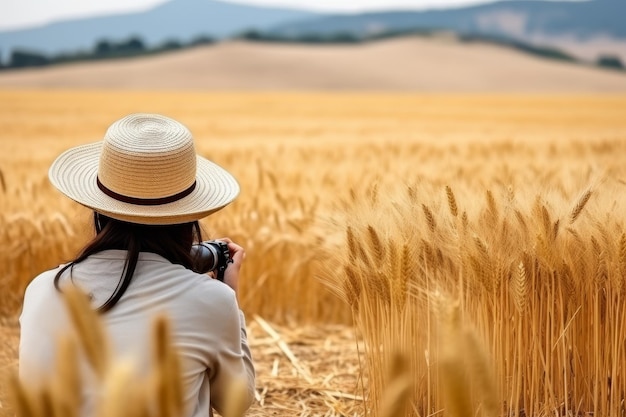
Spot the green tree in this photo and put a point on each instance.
(169, 45)
(131, 46)
(610, 61)
(21, 58)
(201, 40)
(103, 48)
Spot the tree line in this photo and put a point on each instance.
(103, 49)
(135, 46)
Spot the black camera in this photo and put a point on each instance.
(211, 255)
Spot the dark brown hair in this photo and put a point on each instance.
(173, 242)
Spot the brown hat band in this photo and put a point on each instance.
(145, 201)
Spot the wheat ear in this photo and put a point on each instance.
(89, 329)
(492, 207)
(376, 245)
(67, 386)
(395, 398)
(520, 287)
(237, 392)
(119, 392)
(351, 287)
(166, 362)
(454, 210)
(482, 377)
(351, 241)
(580, 205)
(3, 183)
(430, 219)
(452, 365)
(622, 260)
(25, 403)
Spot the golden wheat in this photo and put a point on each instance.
(395, 399)
(3, 183)
(520, 288)
(534, 260)
(580, 205)
(455, 378)
(371, 218)
(452, 201)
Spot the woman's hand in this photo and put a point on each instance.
(237, 254)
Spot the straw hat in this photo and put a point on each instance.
(144, 171)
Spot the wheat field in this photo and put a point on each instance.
(479, 241)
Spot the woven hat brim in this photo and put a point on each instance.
(75, 173)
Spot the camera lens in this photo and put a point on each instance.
(205, 257)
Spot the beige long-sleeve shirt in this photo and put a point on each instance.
(208, 328)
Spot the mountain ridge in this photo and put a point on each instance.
(586, 29)
(176, 19)
(567, 25)
(591, 17)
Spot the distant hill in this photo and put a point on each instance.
(177, 19)
(584, 28)
(581, 19)
(411, 63)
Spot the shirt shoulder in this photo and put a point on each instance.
(209, 293)
(42, 285)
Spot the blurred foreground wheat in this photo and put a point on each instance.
(121, 391)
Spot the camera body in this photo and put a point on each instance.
(211, 255)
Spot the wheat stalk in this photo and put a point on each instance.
(555, 229)
(3, 183)
(395, 398)
(454, 378)
(510, 193)
(430, 218)
(546, 221)
(521, 220)
(373, 194)
(119, 392)
(351, 243)
(236, 403)
(411, 193)
(483, 378)
(376, 245)
(168, 375)
(622, 261)
(566, 280)
(451, 201)
(351, 287)
(67, 382)
(405, 275)
(482, 247)
(520, 288)
(580, 205)
(90, 332)
(492, 208)
(25, 402)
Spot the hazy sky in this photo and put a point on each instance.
(23, 13)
